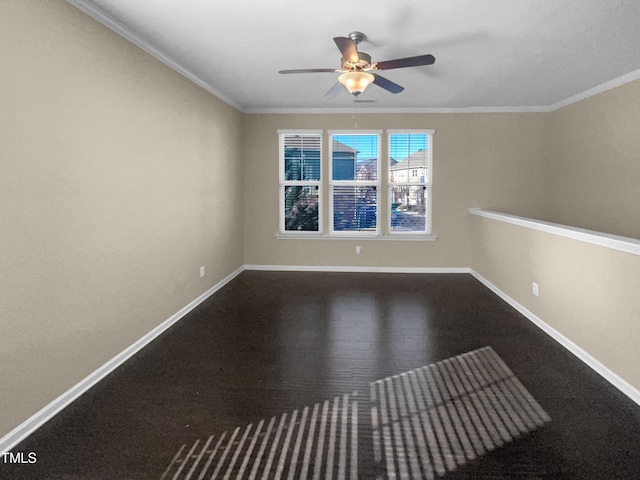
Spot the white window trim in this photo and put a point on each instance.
(299, 131)
(428, 192)
(377, 238)
(378, 235)
(354, 131)
(284, 183)
(428, 131)
(338, 183)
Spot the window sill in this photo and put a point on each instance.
(402, 238)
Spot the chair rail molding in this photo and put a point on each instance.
(615, 242)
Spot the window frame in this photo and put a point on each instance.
(294, 183)
(353, 183)
(382, 185)
(427, 183)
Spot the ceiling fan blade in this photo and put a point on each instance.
(310, 70)
(387, 84)
(337, 88)
(407, 62)
(347, 48)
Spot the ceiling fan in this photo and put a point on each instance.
(358, 71)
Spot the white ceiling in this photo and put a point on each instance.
(490, 54)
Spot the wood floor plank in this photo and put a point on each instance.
(270, 343)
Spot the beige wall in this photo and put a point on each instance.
(489, 160)
(594, 168)
(117, 178)
(588, 293)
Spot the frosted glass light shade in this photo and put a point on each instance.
(356, 82)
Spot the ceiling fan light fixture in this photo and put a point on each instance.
(356, 82)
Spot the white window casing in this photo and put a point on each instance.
(371, 194)
(409, 182)
(354, 183)
(300, 182)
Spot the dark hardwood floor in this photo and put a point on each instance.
(271, 343)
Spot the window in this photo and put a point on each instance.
(300, 181)
(354, 183)
(409, 188)
(368, 192)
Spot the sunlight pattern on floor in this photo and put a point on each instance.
(317, 442)
(431, 420)
(425, 422)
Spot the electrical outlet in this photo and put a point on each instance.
(202, 271)
(358, 250)
(534, 288)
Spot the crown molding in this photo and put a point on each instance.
(616, 82)
(410, 110)
(118, 27)
(611, 84)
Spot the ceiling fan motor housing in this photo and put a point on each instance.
(364, 63)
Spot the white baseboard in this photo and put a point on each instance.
(618, 382)
(22, 431)
(26, 428)
(356, 269)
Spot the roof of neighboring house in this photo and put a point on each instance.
(370, 164)
(416, 160)
(341, 147)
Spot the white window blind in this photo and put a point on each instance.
(410, 180)
(300, 182)
(354, 183)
